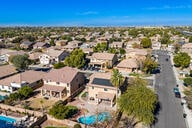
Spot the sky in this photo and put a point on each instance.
(95, 12)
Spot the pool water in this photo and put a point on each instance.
(94, 118)
(7, 122)
(2, 97)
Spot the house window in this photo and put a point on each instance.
(67, 84)
(105, 89)
(92, 87)
(76, 80)
(2, 87)
(67, 91)
(57, 82)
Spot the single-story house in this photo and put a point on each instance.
(62, 82)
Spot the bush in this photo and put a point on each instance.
(61, 111)
(77, 126)
(188, 81)
(59, 65)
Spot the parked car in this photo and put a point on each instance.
(176, 92)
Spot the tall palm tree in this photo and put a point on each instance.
(116, 80)
(139, 102)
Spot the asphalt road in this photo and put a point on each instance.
(170, 114)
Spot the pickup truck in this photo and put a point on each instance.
(177, 93)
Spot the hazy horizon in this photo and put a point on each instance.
(98, 13)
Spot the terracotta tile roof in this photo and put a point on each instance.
(65, 75)
(128, 63)
(7, 70)
(52, 88)
(103, 56)
(137, 51)
(28, 76)
(53, 52)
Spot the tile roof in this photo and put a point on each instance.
(65, 75)
(7, 70)
(53, 88)
(28, 76)
(103, 56)
(128, 63)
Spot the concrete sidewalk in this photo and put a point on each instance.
(186, 110)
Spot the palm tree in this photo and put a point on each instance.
(139, 102)
(116, 80)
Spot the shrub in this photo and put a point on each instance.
(188, 81)
(61, 111)
(77, 126)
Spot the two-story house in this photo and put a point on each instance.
(62, 82)
(52, 56)
(100, 89)
(14, 82)
(103, 60)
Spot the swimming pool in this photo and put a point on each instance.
(7, 122)
(94, 118)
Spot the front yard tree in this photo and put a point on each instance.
(149, 65)
(182, 60)
(21, 62)
(76, 59)
(146, 43)
(138, 102)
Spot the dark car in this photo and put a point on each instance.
(166, 59)
(177, 95)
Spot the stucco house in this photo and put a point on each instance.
(103, 60)
(100, 89)
(62, 82)
(52, 56)
(128, 65)
(41, 45)
(14, 82)
(27, 45)
(116, 45)
(139, 54)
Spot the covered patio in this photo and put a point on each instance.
(98, 64)
(53, 91)
(107, 98)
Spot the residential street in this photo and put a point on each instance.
(171, 112)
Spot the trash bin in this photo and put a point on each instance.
(184, 115)
(182, 103)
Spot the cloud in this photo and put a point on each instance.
(169, 7)
(88, 13)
